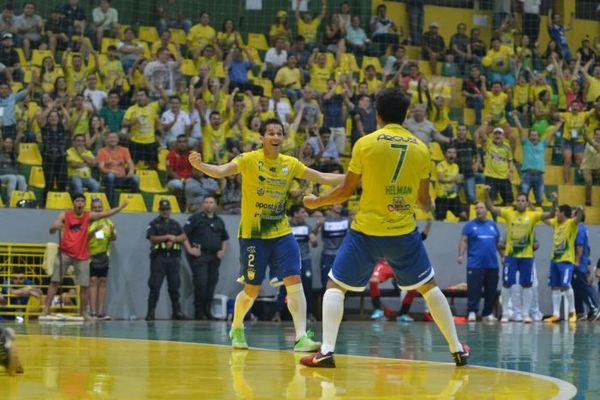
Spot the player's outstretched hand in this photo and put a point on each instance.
(310, 201)
(195, 159)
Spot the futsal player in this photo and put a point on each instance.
(265, 235)
(563, 259)
(9, 357)
(518, 255)
(394, 167)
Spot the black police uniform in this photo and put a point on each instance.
(164, 261)
(207, 233)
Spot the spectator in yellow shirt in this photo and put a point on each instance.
(448, 181)
(165, 41)
(495, 104)
(501, 58)
(200, 35)
(229, 37)
(281, 30)
(308, 26)
(498, 166)
(592, 88)
(290, 78)
(320, 72)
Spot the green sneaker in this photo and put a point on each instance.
(238, 339)
(306, 344)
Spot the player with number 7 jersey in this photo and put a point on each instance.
(394, 167)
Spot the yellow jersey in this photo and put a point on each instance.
(500, 59)
(373, 85)
(319, 77)
(593, 91)
(440, 118)
(200, 35)
(81, 128)
(289, 78)
(593, 121)
(49, 78)
(520, 95)
(111, 71)
(494, 106)
(100, 242)
(392, 163)
(213, 143)
(448, 171)
(144, 131)
(308, 31)
(265, 186)
(251, 137)
(563, 243)
(76, 80)
(74, 156)
(574, 127)
(520, 231)
(535, 91)
(497, 158)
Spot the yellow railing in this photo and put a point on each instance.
(26, 260)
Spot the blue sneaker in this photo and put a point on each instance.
(404, 318)
(377, 314)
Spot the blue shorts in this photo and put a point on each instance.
(281, 254)
(359, 254)
(511, 266)
(561, 274)
(326, 264)
(575, 147)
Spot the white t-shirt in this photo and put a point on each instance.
(111, 15)
(158, 73)
(196, 125)
(178, 128)
(97, 96)
(276, 59)
(283, 109)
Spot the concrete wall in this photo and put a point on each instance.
(127, 282)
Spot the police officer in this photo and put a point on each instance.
(165, 236)
(205, 247)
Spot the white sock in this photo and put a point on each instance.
(333, 311)
(440, 311)
(526, 306)
(556, 303)
(243, 304)
(570, 296)
(505, 295)
(297, 305)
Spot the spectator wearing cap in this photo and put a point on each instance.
(171, 15)
(433, 47)
(165, 236)
(7, 19)
(205, 247)
(29, 29)
(280, 29)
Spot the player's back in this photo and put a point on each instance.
(392, 162)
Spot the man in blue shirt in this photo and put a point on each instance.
(8, 102)
(582, 288)
(556, 31)
(237, 69)
(533, 166)
(480, 239)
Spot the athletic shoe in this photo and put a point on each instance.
(461, 358)
(405, 318)
(594, 314)
(582, 317)
(305, 343)
(377, 314)
(489, 318)
(572, 317)
(552, 318)
(504, 319)
(319, 360)
(472, 317)
(518, 318)
(527, 320)
(238, 338)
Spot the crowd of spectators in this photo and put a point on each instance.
(104, 103)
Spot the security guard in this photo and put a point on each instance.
(205, 247)
(165, 236)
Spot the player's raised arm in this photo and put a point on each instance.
(337, 195)
(489, 204)
(552, 213)
(323, 178)
(215, 171)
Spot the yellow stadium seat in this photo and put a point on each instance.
(106, 42)
(162, 159)
(136, 202)
(468, 116)
(18, 195)
(16, 86)
(150, 182)
(21, 55)
(36, 177)
(58, 201)
(37, 57)
(96, 195)
(172, 199)
(374, 61)
(255, 56)
(29, 154)
(178, 36)
(188, 67)
(148, 34)
(425, 68)
(258, 41)
(436, 151)
(266, 84)
(412, 52)
(122, 27)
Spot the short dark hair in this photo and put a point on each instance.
(392, 105)
(522, 194)
(174, 97)
(324, 130)
(213, 196)
(76, 196)
(144, 90)
(270, 121)
(580, 210)
(182, 136)
(114, 91)
(565, 209)
(295, 208)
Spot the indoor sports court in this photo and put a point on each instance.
(379, 360)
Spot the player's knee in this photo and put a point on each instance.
(426, 287)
